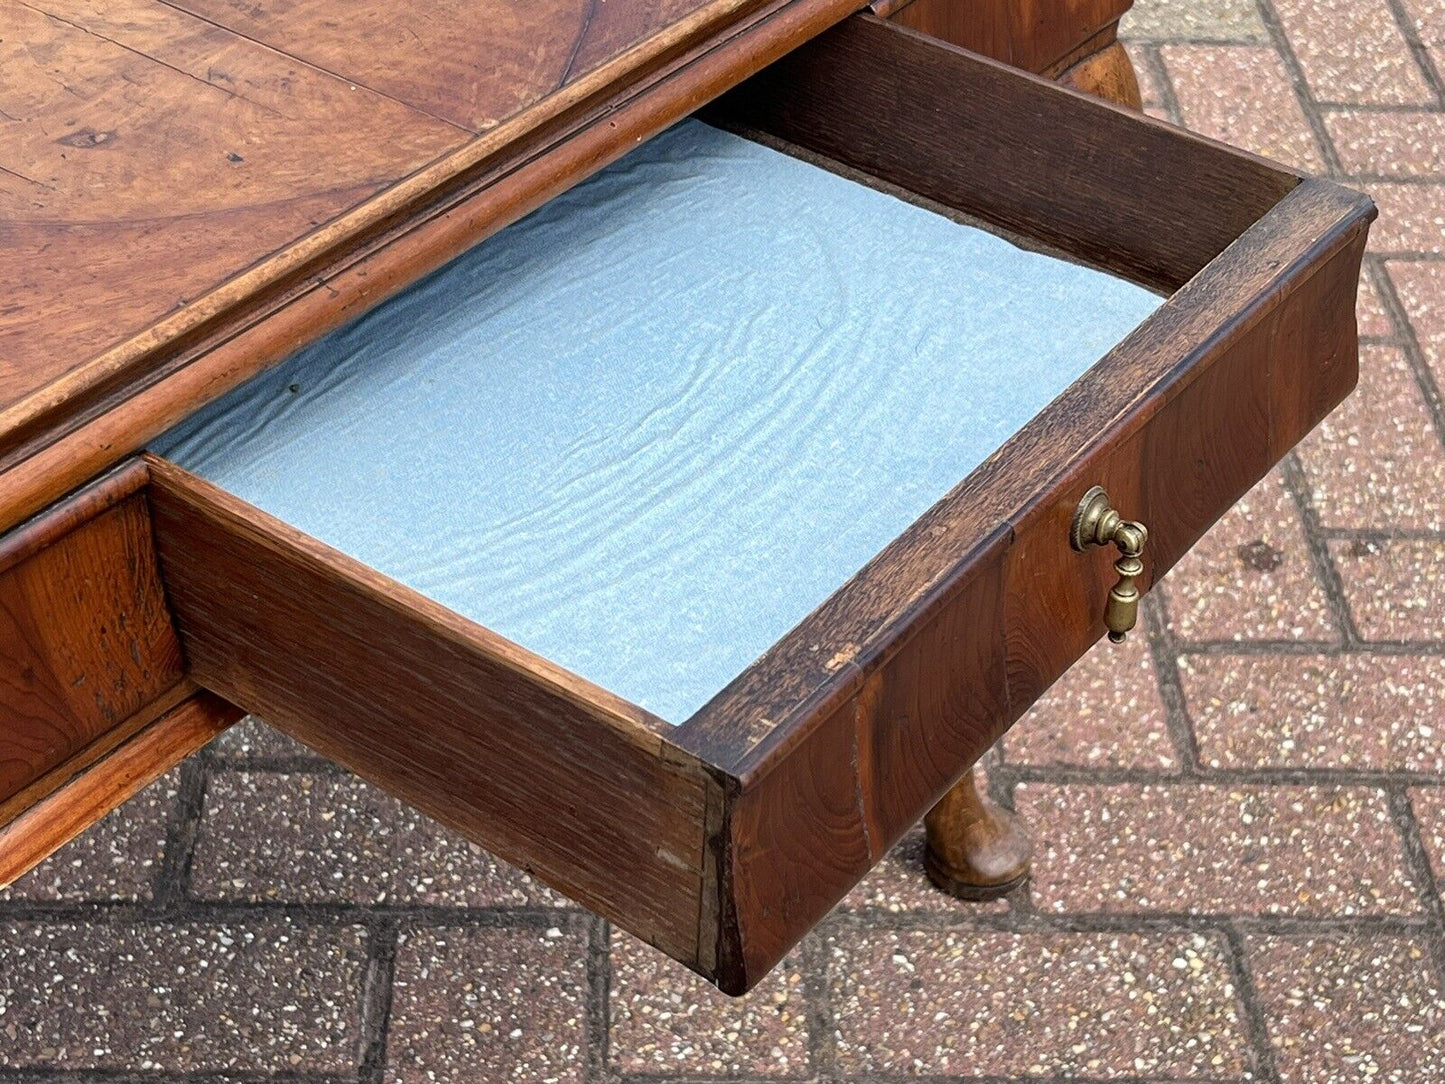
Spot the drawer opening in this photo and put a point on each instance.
(648, 429)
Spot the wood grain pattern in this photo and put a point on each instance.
(839, 791)
(48, 825)
(85, 637)
(98, 749)
(555, 775)
(1188, 197)
(1196, 450)
(148, 156)
(107, 407)
(473, 63)
(1035, 35)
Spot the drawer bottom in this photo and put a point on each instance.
(647, 430)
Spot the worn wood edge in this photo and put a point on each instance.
(638, 725)
(714, 898)
(60, 519)
(65, 435)
(49, 824)
(77, 762)
(1144, 372)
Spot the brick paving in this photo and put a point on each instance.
(1240, 815)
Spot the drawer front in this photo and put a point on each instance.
(849, 729)
(826, 797)
(1177, 465)
(87, 650)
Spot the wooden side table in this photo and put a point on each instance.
(181, 217)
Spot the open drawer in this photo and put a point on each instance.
(842, 668)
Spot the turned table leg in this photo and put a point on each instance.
(976, 849)
(1107, 74)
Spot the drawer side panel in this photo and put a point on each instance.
(398, 691)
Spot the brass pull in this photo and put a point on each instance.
(1097, 524)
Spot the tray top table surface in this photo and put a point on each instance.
(165, 164)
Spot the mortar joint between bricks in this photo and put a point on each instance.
(599, 1000)
(1302, 90)
(1323, 565)
(1417, 866)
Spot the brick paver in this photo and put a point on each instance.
(1353, 51)
(1216, 849)
(1359, 1008)
(1251, 577)
(1106, 711)
(118, 859)
(1239, 815)
(1429, 807)
(1242, 95)
(1388, 144)
(1421, 286)
(1395, 587)
(1397, 475)
(318, 838)
(666, 1018)
(978, 1003)
(1412, 218)
(489, 1004)
(1341, 712)
(259, 995)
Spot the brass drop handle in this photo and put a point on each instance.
(1096, 523)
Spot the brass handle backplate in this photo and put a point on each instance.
(1096, 523)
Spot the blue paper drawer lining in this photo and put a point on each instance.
(644, 431)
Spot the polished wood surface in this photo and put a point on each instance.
(47, 825)
(150, 155)
(976, 850)
(1041, 36)
(553, 774)
(155, 150)
(86, 641)
(198, 216)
